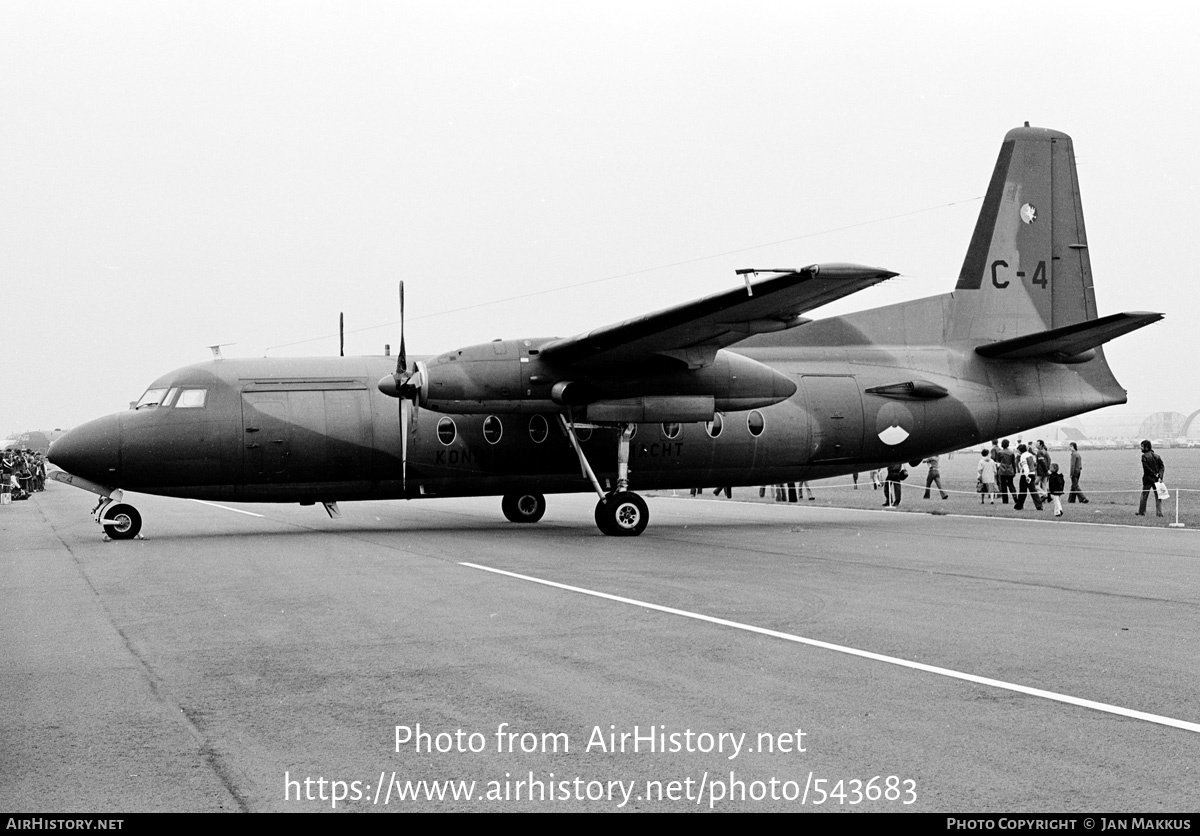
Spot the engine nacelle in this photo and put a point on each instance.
(509, 376)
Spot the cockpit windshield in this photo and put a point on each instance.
(151, 399)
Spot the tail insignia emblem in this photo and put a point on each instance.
(1028, 213)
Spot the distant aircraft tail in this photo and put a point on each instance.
(1027, 276)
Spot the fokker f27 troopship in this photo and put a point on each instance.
(737, 388)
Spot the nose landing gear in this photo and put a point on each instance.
(119, 520)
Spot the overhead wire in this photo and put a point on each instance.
(640, 272)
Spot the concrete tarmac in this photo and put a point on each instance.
(234, 662)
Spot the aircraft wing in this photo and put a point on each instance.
(694, 331)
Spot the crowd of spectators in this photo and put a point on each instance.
(22, 473)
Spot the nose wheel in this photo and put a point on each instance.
(121, 522)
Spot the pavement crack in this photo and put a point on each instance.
(159, 689)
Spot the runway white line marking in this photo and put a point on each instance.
(865, 654)
(227, 508)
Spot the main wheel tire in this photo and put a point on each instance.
(122, 522)
(624, 515)
(602, 518)
(523, 507)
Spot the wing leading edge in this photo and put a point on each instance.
(694, 331)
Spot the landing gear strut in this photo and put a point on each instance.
(621, 513)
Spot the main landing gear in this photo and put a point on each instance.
(620, 513)
(523, 507)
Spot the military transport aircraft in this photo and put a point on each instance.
(737, 388)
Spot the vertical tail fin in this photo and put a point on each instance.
(1027, 268)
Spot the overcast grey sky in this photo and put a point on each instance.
(176, 174)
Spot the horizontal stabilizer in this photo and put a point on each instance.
(1070, 340)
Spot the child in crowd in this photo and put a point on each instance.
(1056, 483)
(986, 471)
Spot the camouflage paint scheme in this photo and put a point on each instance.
(1017, 344)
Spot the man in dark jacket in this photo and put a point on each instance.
(1153, 471)
(1006, 468)
(891, 488)
(1076, 472)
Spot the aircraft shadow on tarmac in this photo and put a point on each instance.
(458, 526)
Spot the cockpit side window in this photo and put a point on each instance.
(191, 399)
(151, 399)
(170, 396)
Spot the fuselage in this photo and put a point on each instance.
(318, 429)
(731, 389)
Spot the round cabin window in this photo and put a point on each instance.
(492, 429)
(714, 427)
(755, 423)
(538, 428)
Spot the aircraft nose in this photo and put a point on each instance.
(91, 450)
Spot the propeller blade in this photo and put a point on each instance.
(402, 383)
(402, 357)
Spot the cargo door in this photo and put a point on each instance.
(835, 406)
(266, 437)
